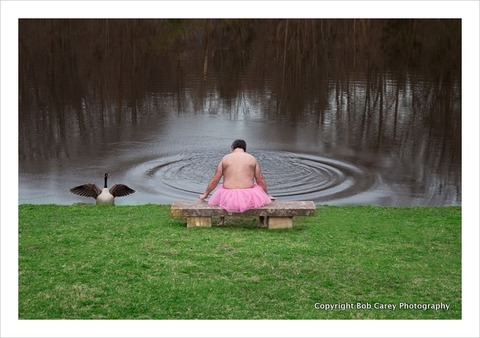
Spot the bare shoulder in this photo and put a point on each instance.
(253, 158)
(248, 158)
(226, 158)
(225, 161)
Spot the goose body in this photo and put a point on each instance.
(105, 196)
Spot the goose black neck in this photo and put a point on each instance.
(106, 176)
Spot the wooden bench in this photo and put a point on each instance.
(277, 215)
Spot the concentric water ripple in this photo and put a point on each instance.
(288, 175)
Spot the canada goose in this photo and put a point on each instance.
(105, 196)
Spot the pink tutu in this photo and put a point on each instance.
(239, 200)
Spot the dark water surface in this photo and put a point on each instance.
(372, 117)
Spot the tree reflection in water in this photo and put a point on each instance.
(382, 94)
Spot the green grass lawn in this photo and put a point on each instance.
(136, 262)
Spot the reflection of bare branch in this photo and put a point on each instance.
(122, 68)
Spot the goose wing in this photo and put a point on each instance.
(119, 190)
(87, 190)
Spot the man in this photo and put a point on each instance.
(243, 185)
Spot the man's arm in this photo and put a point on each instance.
(213, 182)
(259, 178)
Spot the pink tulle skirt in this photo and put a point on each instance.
(239, 200)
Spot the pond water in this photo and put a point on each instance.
(157, 103)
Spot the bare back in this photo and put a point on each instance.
(239, 170)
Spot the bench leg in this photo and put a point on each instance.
(199, 222)
(279, 222)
